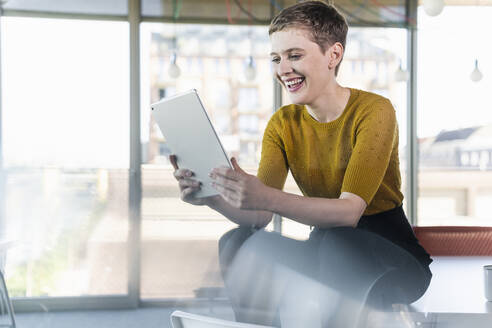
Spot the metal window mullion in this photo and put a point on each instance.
(412, 144)
(135, 174)
(277, 102)
(60, 15)
(70, 303)
(3, 176)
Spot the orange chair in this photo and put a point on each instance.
(455, 241)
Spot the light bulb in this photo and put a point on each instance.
(476, 75)
(250, 70)
(433, 7)
(174, 71)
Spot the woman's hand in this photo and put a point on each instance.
(238, 188)
(188, 186)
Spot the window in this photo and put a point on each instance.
(66, 153)
(179, 241)
(454, 122)
(372, 56)
(104, 7)
(248, 99)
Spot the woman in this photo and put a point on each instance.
(341, 146)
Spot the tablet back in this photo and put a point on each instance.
(191, 137)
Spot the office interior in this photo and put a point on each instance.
(93, 230)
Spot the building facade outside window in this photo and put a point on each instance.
(454, 118)
(177, 237)
(179, 241)
(372, 57)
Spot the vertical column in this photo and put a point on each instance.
(412, 144)
(277, 102)
(470, 199)
(135, 174)
(3, 177)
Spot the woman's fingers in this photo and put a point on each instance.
(188, 188)
(187, 192)
(179, 173)
(236, 166)
(182, 174)
(225, 172)
(226, 184)
(227, 193)
(188, 183)
(174, 161)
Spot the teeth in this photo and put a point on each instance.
(292, 82)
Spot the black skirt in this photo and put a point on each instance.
(394, 226)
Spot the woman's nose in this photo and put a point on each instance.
(284, 67)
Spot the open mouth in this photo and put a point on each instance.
(294, 84)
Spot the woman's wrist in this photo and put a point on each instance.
(269, 199)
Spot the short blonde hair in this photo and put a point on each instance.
(325, 24)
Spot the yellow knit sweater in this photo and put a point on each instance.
(357, 152)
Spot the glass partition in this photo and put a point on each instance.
(372, 58)
(357, 13)
(179, 241)
(90, 7)
(454, 119)
(65, 133)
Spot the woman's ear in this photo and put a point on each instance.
(335, 55)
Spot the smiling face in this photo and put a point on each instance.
(301, 66)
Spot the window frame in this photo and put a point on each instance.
(134, 18)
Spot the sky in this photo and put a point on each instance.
(77, 72)
(447, 48)
(65, 96)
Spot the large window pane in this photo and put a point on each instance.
(454, 118)
(95, 7)
(179, 241)
(356, 12)
(66, 153)
(371, 60)
(211, 9)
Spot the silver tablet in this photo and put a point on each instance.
(191, 136)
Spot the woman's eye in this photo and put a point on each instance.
(276, 60)
(294, 57)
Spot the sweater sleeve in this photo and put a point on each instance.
(273, 167)
(375, 138)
